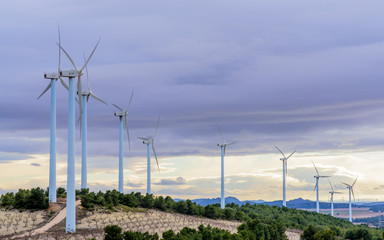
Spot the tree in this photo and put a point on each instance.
(358, 234)
(148, 201)
(160, 203)
(7, 199)
(168, 235)
(327, 234)
(61, 192)
(21, 198)
(37, 199)
(309, 233)
(210, 212)
(130, 200)
(113, 232)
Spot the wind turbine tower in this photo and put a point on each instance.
(150, 142)
(317, 187)
(332, 193)
(350, 188)
(285, 171)
(52, 153)
(223, 147)
(121, 115)
(71, 194)
(85, 95)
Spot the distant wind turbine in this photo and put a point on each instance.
(121, 115)
(350, 188)
(317, 176)
(285, 171)
(52, 153)
(71, 197)
(332, 192)
(85, 95)
(223, 147)
(150, 141)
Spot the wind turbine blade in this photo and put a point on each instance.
(146, 139)
(130, 100)
(315, 188)
(45, 90)
(353, 194)
(154, 153)
(354, 181)
(79, 96)
(291, 154)
(126, 126)
(95, 97)
(225, 147)
(70, 59)
(318, 174)
(90, 56)
(230, 143)
(331, 185)
(221, 133)
(280, 151)
(157, 127)
(58, 28)
(64, 84)
(117, 107)
(345, 184)
(86, 69)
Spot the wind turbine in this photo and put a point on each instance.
(350, 188)
(121, 115)
(52, 153)
(332, 192)
(85, 95)
(71, 196)
(285, 170)
(223, 147)
(150, 141)
(317, 187)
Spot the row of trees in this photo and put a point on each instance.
(33, 199)
(333, 233)
(253, 229)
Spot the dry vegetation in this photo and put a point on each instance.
(91, 224)
(13, 221)
(151, 221)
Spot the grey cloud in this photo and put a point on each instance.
(35, 164)
(177, 181)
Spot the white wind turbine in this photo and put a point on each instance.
(71, 197)
(350, 188)
(80, 73)
(285, 171)
(223, 147)
(85, 97)
(52, 156)
(121, 115)
(332, 192)
(150, 141)
(317, 187)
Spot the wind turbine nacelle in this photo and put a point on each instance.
(69, 73)
(120, 114)
(51, 75)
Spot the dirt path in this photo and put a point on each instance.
(59, 217)
(293, 234)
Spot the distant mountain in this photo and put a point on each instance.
(298, 203)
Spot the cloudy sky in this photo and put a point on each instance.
(304, 75)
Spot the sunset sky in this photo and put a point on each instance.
(304, 75)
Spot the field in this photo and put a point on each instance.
(90, 224)
(344, 212)
(14, 221)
